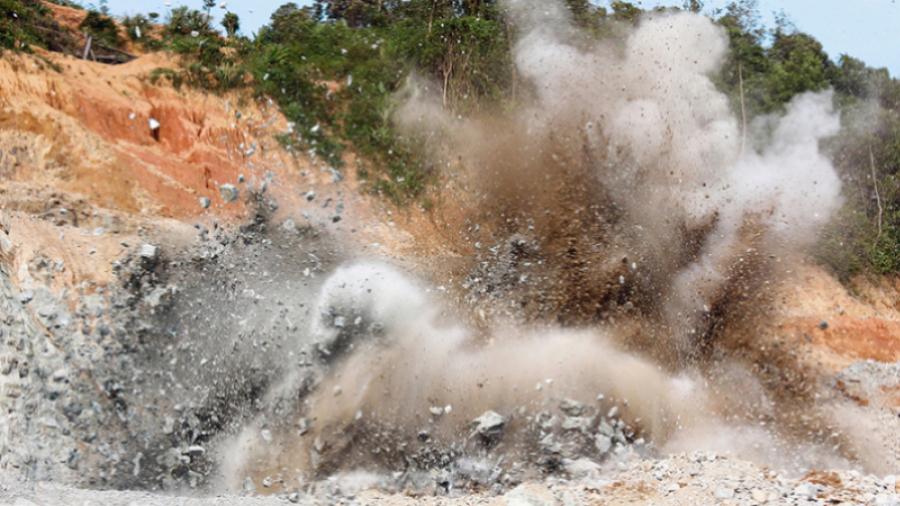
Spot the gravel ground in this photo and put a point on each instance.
(698, 478)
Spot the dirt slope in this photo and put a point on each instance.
(77, 152)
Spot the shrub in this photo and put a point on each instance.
(138, 28)
(102, 28)
(185, 22)
(24, 23)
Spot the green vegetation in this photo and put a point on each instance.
(26, 23)
(67, 3)
(102, 28)
(232, 23)
(866, 236)
(774, 65)
(334, 68)
(334, 77)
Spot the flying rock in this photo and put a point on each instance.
(576, 423)
(489, 425)
(603, 443)
(149, 252)
(229, 192)
(571, 407)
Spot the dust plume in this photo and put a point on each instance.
(636, 139)
(408, 380)
(619, 200)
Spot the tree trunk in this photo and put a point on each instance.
(743, 109)
(87, 48)
(431, 17)
(877, 195)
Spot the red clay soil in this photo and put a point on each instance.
(858, 338)
(86, 130)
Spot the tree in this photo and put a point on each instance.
(798, 64)
(355, 13)
(184, 21)
(136, 26)
(232, 23)
(744, 73)
(102, 28)
(693, 5)
(625, 11)
(208, 5)
(288, 22)
(585, 14)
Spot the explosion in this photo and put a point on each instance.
(617, 221)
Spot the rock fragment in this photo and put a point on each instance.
(229, 192)
(723, 492)
(603, 444)
(572, 407)
(576, 423)
(489, 425)
(148, 252)
(758, 495)
(807, 490)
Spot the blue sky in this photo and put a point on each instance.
(866, 29)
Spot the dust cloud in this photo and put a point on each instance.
(645, 126)
(623, 159)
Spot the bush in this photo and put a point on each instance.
(171, 75)
(333, 69)
(67, 3)
(102, 28)
(138, 28)
(24, 23)
(185, 22)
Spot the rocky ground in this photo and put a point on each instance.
(699, 478)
